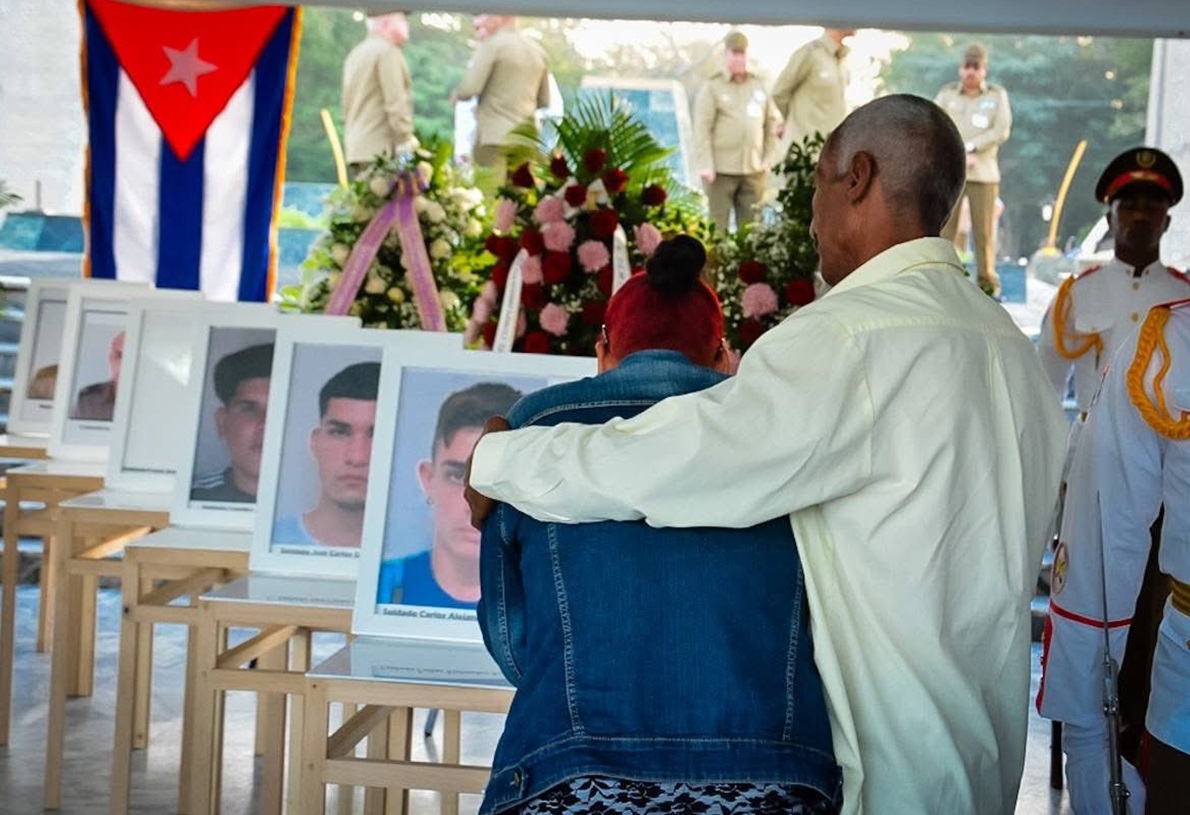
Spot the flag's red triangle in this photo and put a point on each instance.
(186, 64)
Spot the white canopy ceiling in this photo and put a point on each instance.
(1151, 18)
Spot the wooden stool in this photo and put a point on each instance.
(388, 678)
(31, 495)
(90, 531)
(158, 570)
(285, 611)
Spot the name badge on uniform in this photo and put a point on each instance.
(755, 108)
(981, 120)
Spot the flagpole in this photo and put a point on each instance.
(332, 135)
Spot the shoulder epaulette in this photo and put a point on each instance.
(1150, 342)
(1061, 318)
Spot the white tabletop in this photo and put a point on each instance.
(122, 499)
(21, 440)
(55, 467)
(432, 662)
(271, 588)
(189, 537)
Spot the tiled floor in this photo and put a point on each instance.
(89, 735)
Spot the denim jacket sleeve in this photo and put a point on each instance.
(501, 609)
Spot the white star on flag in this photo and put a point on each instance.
(186, 67)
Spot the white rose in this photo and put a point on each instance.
(425, 171)
(449, 300)
(396, 295)
(439, 249)
(420, 204)
(340, 252)
(473, 229)
(434, 211)
(332, 279)
(380, 186)
(374, 285)
(361, 214)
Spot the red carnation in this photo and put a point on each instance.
(501, 246)
(537, 342)
(604, 280)
(593, 311)
(653, 195)
(594, 159)
(576, 196)
(555, 268)
(800, 291)
(489, 333)
(523, 177)
(532, 242)
(752, 271)
(615, 180)
(559, 167)
(750, 331)
(604, 223)
(500, 275)
(533, 296)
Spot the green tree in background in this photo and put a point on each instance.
(438, 50)
(1062, 89)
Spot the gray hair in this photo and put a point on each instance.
(916, 149)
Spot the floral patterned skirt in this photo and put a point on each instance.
(599, 794)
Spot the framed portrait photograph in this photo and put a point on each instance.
(225, 413)
(324, 397)
(154, 384)
(89, 370)
(30, 411)
(419, 567)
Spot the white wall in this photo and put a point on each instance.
(1169, 128)
(42, 130)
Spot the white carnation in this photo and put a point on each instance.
(434, 211)
(439, 249)
(449, 300)
(340, 252)
(361, 214)
(473, 229)
(374, 285)
(380, 186)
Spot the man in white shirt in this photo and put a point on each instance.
(903, 423)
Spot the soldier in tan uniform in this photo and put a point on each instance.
(509, 76)
(377, 92)
(981, 112)
(735, 132)
(809, 91)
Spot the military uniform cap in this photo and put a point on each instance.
(735, 41)
(976, 52)
(1140, 165)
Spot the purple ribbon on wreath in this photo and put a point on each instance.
(401, 212)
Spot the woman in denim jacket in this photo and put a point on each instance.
(657, 670)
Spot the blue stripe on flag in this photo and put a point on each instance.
(179, 203)
(272, 72)
(103, 82)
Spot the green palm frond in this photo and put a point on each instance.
(8, 197)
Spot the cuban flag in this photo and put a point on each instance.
(188, 115)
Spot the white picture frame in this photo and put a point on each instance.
(312, 463)
(415, 489)
(225, 329)
(30, 410)
(89, 369)
(155, 378)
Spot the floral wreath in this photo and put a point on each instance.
(452, 219)
(574, 221)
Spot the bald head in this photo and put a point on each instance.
(916, 151)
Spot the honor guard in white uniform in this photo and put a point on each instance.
(1097, 309)
(1133, 457)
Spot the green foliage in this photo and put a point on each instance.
(294, 218)
(1061, 89)
(7, 197)
(327, 36)
(774, 258)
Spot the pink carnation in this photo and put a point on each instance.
(648, 238)
(759, 299)
(481, 311)
(554, 319)
(558, 236)
(593, 255)
(550, 210)
(522, 324)
(505, 214)
(490, 292)
(531, 269)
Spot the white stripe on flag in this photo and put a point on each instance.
(138, 170)
(225, 194)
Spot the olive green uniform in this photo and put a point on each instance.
(809, 91)
(735, 126)
(984, 121)
(377, 101)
